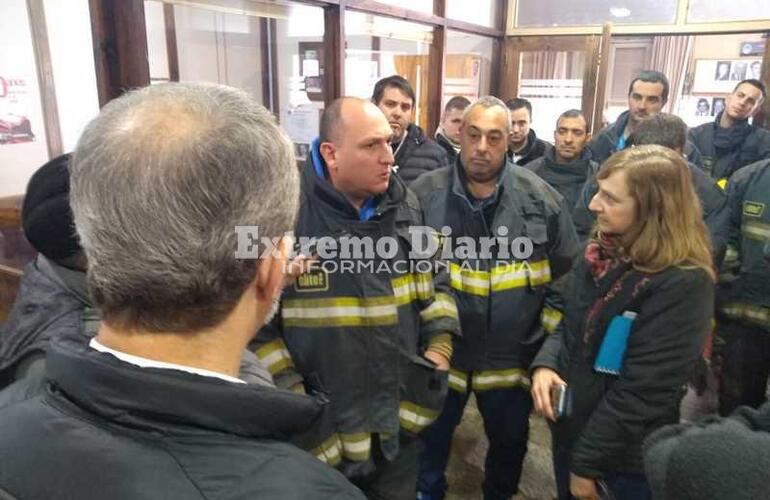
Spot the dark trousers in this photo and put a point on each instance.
(506, 423)
(745, 366)
(391, 480)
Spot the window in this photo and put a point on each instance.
(699, 11)
(467, 66)
(592, 12)
(378, 47)
(274, 52)
(424, 6)
(23, 136)
(483, 12)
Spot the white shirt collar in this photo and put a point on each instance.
(151, 363)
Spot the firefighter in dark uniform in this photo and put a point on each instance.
(525, 240)
(744, 303)
(730, 141)
(375, 336)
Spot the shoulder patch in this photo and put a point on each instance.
(315, 280)
(753, 209)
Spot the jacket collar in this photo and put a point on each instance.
(460, 181)
(69, 279)
(170, 401)
(531, 143)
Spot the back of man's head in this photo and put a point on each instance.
(518, 103)
(46, 216)
(651, 76)
(661, 129)
(160, 180)
(394, 81)
(457, 102)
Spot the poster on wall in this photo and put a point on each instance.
(721, 75)
(15, 124)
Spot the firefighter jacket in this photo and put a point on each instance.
(747, 298)
(501, 290)
(750, 144)
(358, 334)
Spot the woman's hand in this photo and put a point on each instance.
(583, 488)
(543, 379)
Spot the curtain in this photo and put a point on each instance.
(671, 55)
(551, 65)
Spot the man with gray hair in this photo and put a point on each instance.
(152, 407)
(502, 291)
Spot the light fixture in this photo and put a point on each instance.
(619, 12)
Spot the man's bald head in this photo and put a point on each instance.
(333, 123)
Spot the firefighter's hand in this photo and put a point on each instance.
(441, 362)
(543, 379)
(583, 488)
(298, 266)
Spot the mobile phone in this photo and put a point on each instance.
(561, 401)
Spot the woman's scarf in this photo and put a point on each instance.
(604, 253)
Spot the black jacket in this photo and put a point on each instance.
(605, 144)
(500, 297)
(50, 297)
(108, 429)
(568, 179)
(747, 299)
(418, 155)
(361, 333)
(451, 152)
(712, 199)
(722, 164)
(534, 149)
(613, 414)
(713, 459)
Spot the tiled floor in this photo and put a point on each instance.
(465, 471)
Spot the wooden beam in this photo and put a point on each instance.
(172, 53)
(119, 35)
(268, 44)
(334, 53)
(436, 63)
(762, 118)
(601, 81)
(592, 53)
(36, 13)
(381, 9)
(508, 86)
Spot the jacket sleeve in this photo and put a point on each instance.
(581, 215)
(716, 221)
(669, 334)
(711, 459)
(272, 352)
(731, 224)
(439, 318)
(563, 243)
(694, 155)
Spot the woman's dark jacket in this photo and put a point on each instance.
(613, 414)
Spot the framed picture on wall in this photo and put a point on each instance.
(719, 76)
(311, 67)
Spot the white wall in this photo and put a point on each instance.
(17, 63)
(70, 42)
